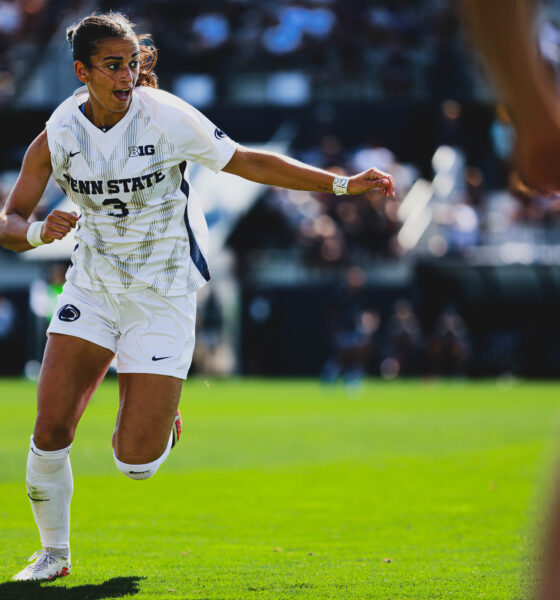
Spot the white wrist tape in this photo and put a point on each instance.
(340, 185)
(34, 234)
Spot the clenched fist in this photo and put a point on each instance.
(57, 225)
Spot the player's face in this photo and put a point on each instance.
(112, 77)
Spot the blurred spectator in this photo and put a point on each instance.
(502, 135)
(448, 73)
(461, 225)
(448, 347)
(397, 70)
(405, 342)
(353, 327)
(11, 17)
(373, 154)
(212, 30)
(212, 356)
(43, 296)
(8, 317)
(451, 131)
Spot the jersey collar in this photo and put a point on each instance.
(106, 139)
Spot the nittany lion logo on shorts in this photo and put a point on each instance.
(68, 313)
(219, 134)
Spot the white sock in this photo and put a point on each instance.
(144, 471)
(49, 486)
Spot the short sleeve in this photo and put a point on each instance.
(197, 139)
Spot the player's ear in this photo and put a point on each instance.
(82, 72)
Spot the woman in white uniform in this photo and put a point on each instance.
(119, 148)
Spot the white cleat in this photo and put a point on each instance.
(47, 566)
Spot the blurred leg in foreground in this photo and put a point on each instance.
(504, 31)
(549, 584)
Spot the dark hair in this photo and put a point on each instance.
(85, 36)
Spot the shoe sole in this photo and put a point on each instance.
(65, 571)
(176, 429)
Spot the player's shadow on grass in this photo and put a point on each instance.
(34, 590)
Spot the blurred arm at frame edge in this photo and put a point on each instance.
(504, 31)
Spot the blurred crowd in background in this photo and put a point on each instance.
(432, 122)
(398, 47)
(394, 45)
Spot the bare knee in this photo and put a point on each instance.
(137, 451)
(53, 435)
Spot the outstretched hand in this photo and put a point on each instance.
(57, 225)
(370, 180)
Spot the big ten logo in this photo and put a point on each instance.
(141, 150)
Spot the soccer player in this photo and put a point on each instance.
(119, 149)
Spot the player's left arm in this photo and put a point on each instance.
(24, 197)
(282, 171)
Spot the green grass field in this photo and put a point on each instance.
(286, 489)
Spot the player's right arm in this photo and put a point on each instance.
(25, 196)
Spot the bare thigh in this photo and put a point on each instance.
(147, 408)
(71, 371)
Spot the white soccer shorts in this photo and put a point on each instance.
(149, 333)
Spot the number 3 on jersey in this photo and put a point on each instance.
(119, 205)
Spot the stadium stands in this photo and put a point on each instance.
(391, 84)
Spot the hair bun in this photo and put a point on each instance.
(70, 33)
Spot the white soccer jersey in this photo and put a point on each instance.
(141, 225)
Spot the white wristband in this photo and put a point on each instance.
(340, 185)
(34, 234)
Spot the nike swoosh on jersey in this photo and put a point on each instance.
(159, 357)
(74, 153)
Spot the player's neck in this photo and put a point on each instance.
(102, 119)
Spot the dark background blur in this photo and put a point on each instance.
(457, 276)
